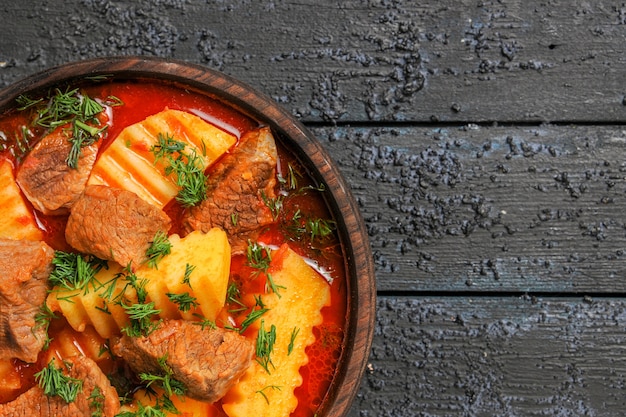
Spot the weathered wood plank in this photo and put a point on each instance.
(496, 357)
(488, 208)
(358, 60)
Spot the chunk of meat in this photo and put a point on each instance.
(24, 270)
(97, 397)
(45, 178)
(114, 224)
(236, 191)
(207, 361)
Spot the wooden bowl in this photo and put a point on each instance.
(352, 232)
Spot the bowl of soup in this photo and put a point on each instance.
(173, 242)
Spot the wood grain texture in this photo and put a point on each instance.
(358, 60)
(488, 208)
(484, 356)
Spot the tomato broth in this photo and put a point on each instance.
(137, 100)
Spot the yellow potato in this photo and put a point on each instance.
(209, 254)
(99, 304)
(261, 393)
(129, 163)
(16, 222)
(68, 303)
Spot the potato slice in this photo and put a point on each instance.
(129, 163)
(303, 293)
(209, 255)
(98, 305)
(17, 221)
(68, 303)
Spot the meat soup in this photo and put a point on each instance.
(161, 248)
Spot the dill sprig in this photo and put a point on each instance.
(262, 391)
(140, 315)
(187, 276)
(292, 340)
(144, 411)
(188, 169)
(74, 271)
(259, 257)
(274, 204)
(184, 301)
(253, 316)
(316, 229)
(69, 107)
(265, 346)
(96, 402)
(42, 321)
(291, 181)
(166, 381)
(55, 383)
(159, 247)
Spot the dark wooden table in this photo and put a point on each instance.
(486, 144)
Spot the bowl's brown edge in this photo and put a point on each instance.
(354, 236)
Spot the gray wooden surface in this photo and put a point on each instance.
(485, 142)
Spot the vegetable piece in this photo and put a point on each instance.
(130, 163)
(99, 305)
(267, 388)
(196, 268)
(207, 282)
(16, 222)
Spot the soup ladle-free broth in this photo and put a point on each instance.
(299, 222)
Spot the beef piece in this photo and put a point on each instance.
(97, 397)
(114, 224)
(24, 270)
(46, 180)
(236, 190)
(207, 361)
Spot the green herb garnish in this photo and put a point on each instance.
(294, 334)
(96, 402)
(265, 346)
(55, 383)
(74, 271)
(262, 391)
(188, 270)
(144, 411)
(259, 257)
(187, 167)
(185, 301)
(159, 247)
(253, 316)
(140, 315)
(72, 108)
(166, 381)
(42, 321)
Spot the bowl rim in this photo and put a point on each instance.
(360, 272)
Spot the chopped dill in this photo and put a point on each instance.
(73, 271)
(69, 107)
(159, 247)
(55, 383)
(294, 334)
(184, 301)
(188, 169)
(265, 346)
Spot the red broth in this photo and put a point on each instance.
(144, 98)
